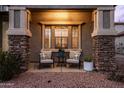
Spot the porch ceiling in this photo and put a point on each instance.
(62, 16)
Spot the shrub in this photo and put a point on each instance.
(115, 76)
(88, 58)
(9, 65)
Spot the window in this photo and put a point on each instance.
(47, 35)
(106, 19)
(75, 36)
(61, 37)
(16, 19)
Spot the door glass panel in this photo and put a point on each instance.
(64, 32)
(47, 37)
(58, 33)
(58, 42)
(64, 42)
(61, 32)
(61, 36)
(61, 42)
(75, 37)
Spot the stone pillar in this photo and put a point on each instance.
(19, 35)
(104, 52)
(19, 45)
(104, 39)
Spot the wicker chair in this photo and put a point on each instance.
(45, 58)
(74, 58)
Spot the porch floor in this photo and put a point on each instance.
(33, 67)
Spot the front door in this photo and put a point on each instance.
(61, 38)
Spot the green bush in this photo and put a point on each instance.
(9, 65)
(88, 58)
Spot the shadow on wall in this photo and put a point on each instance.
(35, 42)
(87, 30)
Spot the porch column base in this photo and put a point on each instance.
(19, 45)
(104, 52)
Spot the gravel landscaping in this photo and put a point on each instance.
(78, 79)
(61, 80)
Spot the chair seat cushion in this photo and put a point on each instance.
(72, 61)
(46, 61)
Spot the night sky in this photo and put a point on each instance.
(119, 13)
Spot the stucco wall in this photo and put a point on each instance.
(35, 42)
(3, 31)
(5, 26)
(87, 28)
(0, 34)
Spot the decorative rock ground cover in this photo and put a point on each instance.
(62, 80)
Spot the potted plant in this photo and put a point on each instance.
(88, 63)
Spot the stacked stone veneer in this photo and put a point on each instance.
(104, 52)
(19, 45)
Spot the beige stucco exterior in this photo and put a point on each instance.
(5, 45)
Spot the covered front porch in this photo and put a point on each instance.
(58, 29)
(91, 29)
(66, 29)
